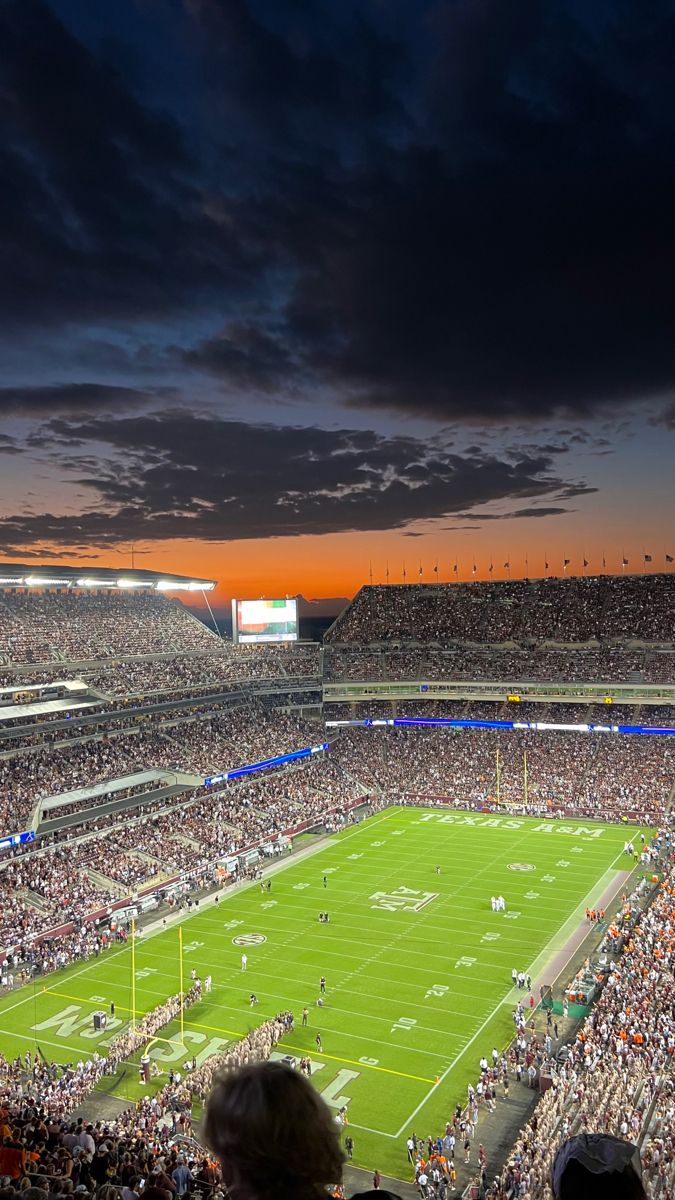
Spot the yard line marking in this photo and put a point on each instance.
(355, 1063)
(232, 1033)
(32, 990)
(447, 1070)
(46, 1042)
(142, 1012)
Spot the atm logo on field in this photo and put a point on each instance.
(403, 899)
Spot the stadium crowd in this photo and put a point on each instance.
(575, 610)
(46, 1152)
(40, 626)
(518, 666)
(619, 1076)
(591, 774)
(38, 894)
(209, 742)
(619, 1073)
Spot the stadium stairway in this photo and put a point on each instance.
(33, 899)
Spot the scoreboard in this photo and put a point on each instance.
(263, 621)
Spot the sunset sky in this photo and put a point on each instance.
(295, 289)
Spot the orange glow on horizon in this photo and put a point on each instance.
(337, 565)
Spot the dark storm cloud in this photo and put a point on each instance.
(538, 512)
(480, 517)
(665, 417)
(245, 356)
(180, 476)
(72, 398)
(460, 210)
(103, 214)
(512, 254)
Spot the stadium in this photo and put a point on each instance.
(427, 862)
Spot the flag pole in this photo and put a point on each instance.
(525, 776)
(499, 779)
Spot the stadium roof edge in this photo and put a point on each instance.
(30, 576)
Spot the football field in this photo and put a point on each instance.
(417, 965)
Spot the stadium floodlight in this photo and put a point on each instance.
(132, 583)
(42, 580)
(95, 583)
(193, 585)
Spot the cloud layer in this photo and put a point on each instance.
(460, 210)
(181, 476)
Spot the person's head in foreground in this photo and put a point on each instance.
(274, 1135)
(597, 1166)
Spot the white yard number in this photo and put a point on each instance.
(490, 937)
(512, 914)
(465, 961)
(329, 870)
(377, 843)
(403, 899)
(404, 1023)
(436, 989)
(562, 862)
(269, 903)
(531, 896)
(354, 857)
(232, 924)
(145, 972)
(192, 946)
(548, 879)
(300, 887)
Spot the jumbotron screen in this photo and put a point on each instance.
(264, 621)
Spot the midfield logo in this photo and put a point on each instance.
(403, 899)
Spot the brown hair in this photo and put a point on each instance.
(274, 1135)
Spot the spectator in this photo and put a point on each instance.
(273, 1134)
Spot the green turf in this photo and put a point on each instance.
(418, 967)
